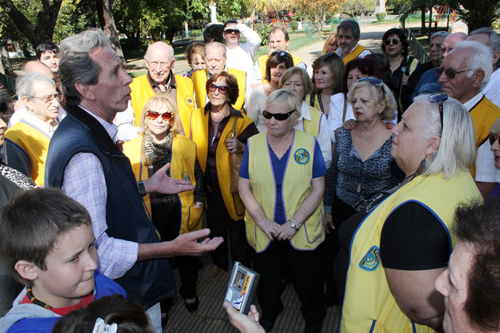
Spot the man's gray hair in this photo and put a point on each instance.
(76, 65)
(477, 56)
(25, 82)
(442, 34)
(494, 38)
(350, 24)
(459, 26)
(457, 150)
(216, 44)
(170, 49)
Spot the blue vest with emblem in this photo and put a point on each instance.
(147, 282)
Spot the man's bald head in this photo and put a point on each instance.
(452, 40)
(159, 61)
(37, 66)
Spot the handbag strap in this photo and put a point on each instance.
(233, 132)
(345, 109)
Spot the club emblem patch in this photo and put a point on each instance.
(189, 100)
(371, 260)
(301, 156)
(185, 176)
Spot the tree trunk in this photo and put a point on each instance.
(47, 18)
(107, 23)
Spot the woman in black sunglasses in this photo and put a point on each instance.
(282, 180)
(395, 46)
(161, 142)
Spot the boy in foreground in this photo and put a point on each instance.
(47, 243)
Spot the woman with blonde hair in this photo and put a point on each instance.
(331, 45)
(172, 214)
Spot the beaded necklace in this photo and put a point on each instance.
(33, 299)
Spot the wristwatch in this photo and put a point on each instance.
(142, 188)
(294, 225)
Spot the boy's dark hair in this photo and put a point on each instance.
(45, 47)
(213, 33)
(128, 316)
(31, 224)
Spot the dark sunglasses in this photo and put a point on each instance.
(155, 114)
(230, 31)
(376, 82)
(394, 41)
(493, 137)
(277, 116)
(281, 54)
(449, 72)
(439, 98)
(222, 89)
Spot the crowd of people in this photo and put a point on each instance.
(367, 180)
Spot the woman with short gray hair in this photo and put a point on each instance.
(393, 250)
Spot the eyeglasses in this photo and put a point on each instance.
(230, 31)
(47, 99)
(376, 82)
(155, 114)
(277, 116)
(493, 137)
(449, 72)
(163, 64)
(394, 41)
(222, 89)
(439, 98)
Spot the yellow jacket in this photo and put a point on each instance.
(354, 54)
(182, 167)
(200, 87)
(368, 303)
(199, 134)
(296, 187)
(27, 140)
(483, 114)
(142, 92)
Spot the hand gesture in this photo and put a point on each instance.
(243, 323)
(162, 183)
(269, 227)
(187, 244)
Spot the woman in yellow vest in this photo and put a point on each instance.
(218, 130)
(173, 214)
(311, 120)
(394, 249)
(328, 71)
(282, 180)
(277, 63)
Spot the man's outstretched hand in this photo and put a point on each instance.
(162, 183)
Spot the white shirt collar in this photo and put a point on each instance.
(339, 50)
(46, 128)
(304, 111)
(112, 129)
(473, 101)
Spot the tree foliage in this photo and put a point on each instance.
(477, 13)
(357, 7)
(316, 11)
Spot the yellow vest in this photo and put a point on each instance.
(200, 87)
(484, 114)
(142, 92)
(312, 126)
(35, 144)
(181, 167)
(354, 54)
(263, 61)
(296, 187)
(368, 303)
(199, 134)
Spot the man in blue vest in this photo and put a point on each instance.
(86, 162)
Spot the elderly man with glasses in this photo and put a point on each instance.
(160, 79)
(464, 73)
(27, 142)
